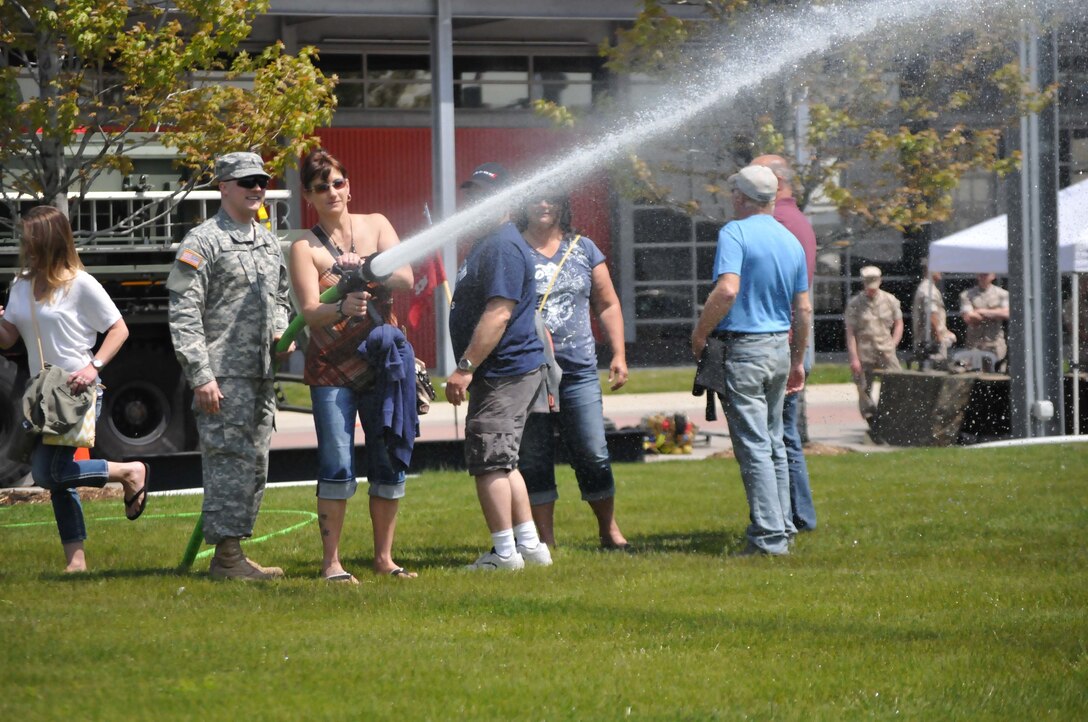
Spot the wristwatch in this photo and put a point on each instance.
(465, 365)
(97, 363)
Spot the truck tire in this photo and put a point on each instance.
(12, 382)
(146, 409)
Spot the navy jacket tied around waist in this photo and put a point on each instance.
(390, 354)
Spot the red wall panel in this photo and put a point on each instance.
(390, 172)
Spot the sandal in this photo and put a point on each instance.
(140, 497)
(341, 578)
(402, 573)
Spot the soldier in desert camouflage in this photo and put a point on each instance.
(874, 326)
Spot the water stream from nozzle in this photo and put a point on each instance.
(767, 46)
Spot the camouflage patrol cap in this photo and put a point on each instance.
(239, 165)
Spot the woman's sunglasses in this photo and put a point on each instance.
(251, 182)
(324, 187)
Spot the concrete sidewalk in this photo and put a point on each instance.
(833, 420)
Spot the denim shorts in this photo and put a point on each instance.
(335, 409)
(497, 409)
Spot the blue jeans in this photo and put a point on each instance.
(581, 426)
(335, 409)
(55, 468)
(804, 512)
(756, 369)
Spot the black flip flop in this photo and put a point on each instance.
(141, 495)
(624, 548)
(402, 573)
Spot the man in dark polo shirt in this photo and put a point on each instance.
(499, 369)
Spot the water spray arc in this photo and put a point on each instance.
(793, 36)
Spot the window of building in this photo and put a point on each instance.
(490, 82)
(673, 265)
(384, 81)
(401, 82)
(571, 81)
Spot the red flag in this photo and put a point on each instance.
(429, 276)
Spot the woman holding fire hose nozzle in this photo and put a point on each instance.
(342, 382)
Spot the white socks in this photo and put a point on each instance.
(503, 541)
(507, 540)
(526, 534)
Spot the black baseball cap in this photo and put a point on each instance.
(489, 176)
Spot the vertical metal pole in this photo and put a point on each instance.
(291, 178)
(1075, 354)
(1034, 281)
(443, 167)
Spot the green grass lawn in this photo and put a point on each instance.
(941, 584)
(642, 381)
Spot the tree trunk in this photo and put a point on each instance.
(53, 170)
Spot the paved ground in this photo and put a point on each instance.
(833, 420)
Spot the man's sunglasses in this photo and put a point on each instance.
(251, 182)
(324, 187)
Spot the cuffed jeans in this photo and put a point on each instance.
(581, 427)
(335, 409)
(756, 370)
(55, 468)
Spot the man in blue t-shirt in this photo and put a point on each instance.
(761, 293)
(500, 358)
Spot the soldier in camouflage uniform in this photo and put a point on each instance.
(874, 325)
(985, 308)
(931, 339)
(228, 307)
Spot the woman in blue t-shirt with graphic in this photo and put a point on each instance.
(571, 277)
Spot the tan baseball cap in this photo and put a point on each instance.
(755, 181)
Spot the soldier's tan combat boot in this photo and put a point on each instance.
(230, 563)
(276, 572)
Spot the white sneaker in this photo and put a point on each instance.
(490, 561)
(538, 556)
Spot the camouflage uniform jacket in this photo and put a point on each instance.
(990, 334)
(228, 300)
(872, 320)
(927, 289)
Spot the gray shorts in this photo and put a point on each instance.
(497, 409)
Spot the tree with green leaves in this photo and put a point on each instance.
(85, 83)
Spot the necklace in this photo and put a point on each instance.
(350, 226)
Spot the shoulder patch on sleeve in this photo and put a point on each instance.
(192, 258)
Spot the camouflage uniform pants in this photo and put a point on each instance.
(234, 444)
(864, 382)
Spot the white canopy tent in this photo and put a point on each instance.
(984, 248)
